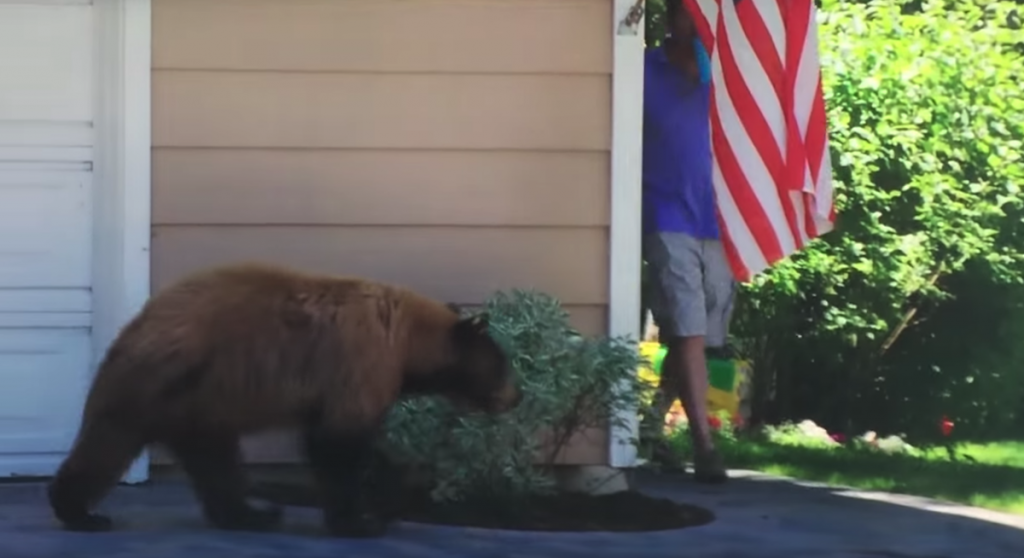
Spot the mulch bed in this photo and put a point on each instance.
(627, 511)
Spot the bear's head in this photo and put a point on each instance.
(471, 370)
(481, 374)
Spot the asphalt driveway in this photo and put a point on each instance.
(758, 517)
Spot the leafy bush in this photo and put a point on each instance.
(570, 383)
(914, 307)
(926, 122)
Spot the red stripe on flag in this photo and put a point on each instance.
(796, 36)
(739, 269)
(764, 46)
(746, 105)
(796, 23)
(750, 207)
(804, 151)
(757, 130)
(816, 142)
(810, 223)
(793, 162)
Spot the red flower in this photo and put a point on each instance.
(838, 437)
(715, 422)
(946, 426)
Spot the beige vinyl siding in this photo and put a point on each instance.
(454, 146)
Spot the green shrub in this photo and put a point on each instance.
(926, 122)
(570, 383)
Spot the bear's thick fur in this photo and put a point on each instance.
(248, 347)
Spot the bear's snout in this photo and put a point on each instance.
(517, 399)
(507, 399)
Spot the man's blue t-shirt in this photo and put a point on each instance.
(678, 195)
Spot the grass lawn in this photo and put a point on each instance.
(994, 480)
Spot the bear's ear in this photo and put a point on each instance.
(481, 322)
(473, 325)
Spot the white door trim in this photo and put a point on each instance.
(625, 233)
(121, 267)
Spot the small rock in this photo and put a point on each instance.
(811, 430)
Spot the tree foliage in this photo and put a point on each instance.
(910, 309)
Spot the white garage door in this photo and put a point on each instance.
(46, 236)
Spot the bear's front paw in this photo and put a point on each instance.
(362, 526)
(91, 523)
(250, 518)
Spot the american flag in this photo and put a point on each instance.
(772, 172)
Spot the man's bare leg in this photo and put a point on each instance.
(685, 368)
(683, 364)
(689, 296)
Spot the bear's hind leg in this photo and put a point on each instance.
(214, 466)
(101, 455)
(340, 463)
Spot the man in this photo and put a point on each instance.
(692, 285)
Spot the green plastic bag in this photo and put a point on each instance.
(721, 372)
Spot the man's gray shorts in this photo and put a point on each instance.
(691, 286)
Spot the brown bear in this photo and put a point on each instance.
(248, 347)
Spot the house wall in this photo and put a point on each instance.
(457, 147)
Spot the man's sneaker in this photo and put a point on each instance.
(708, 468)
